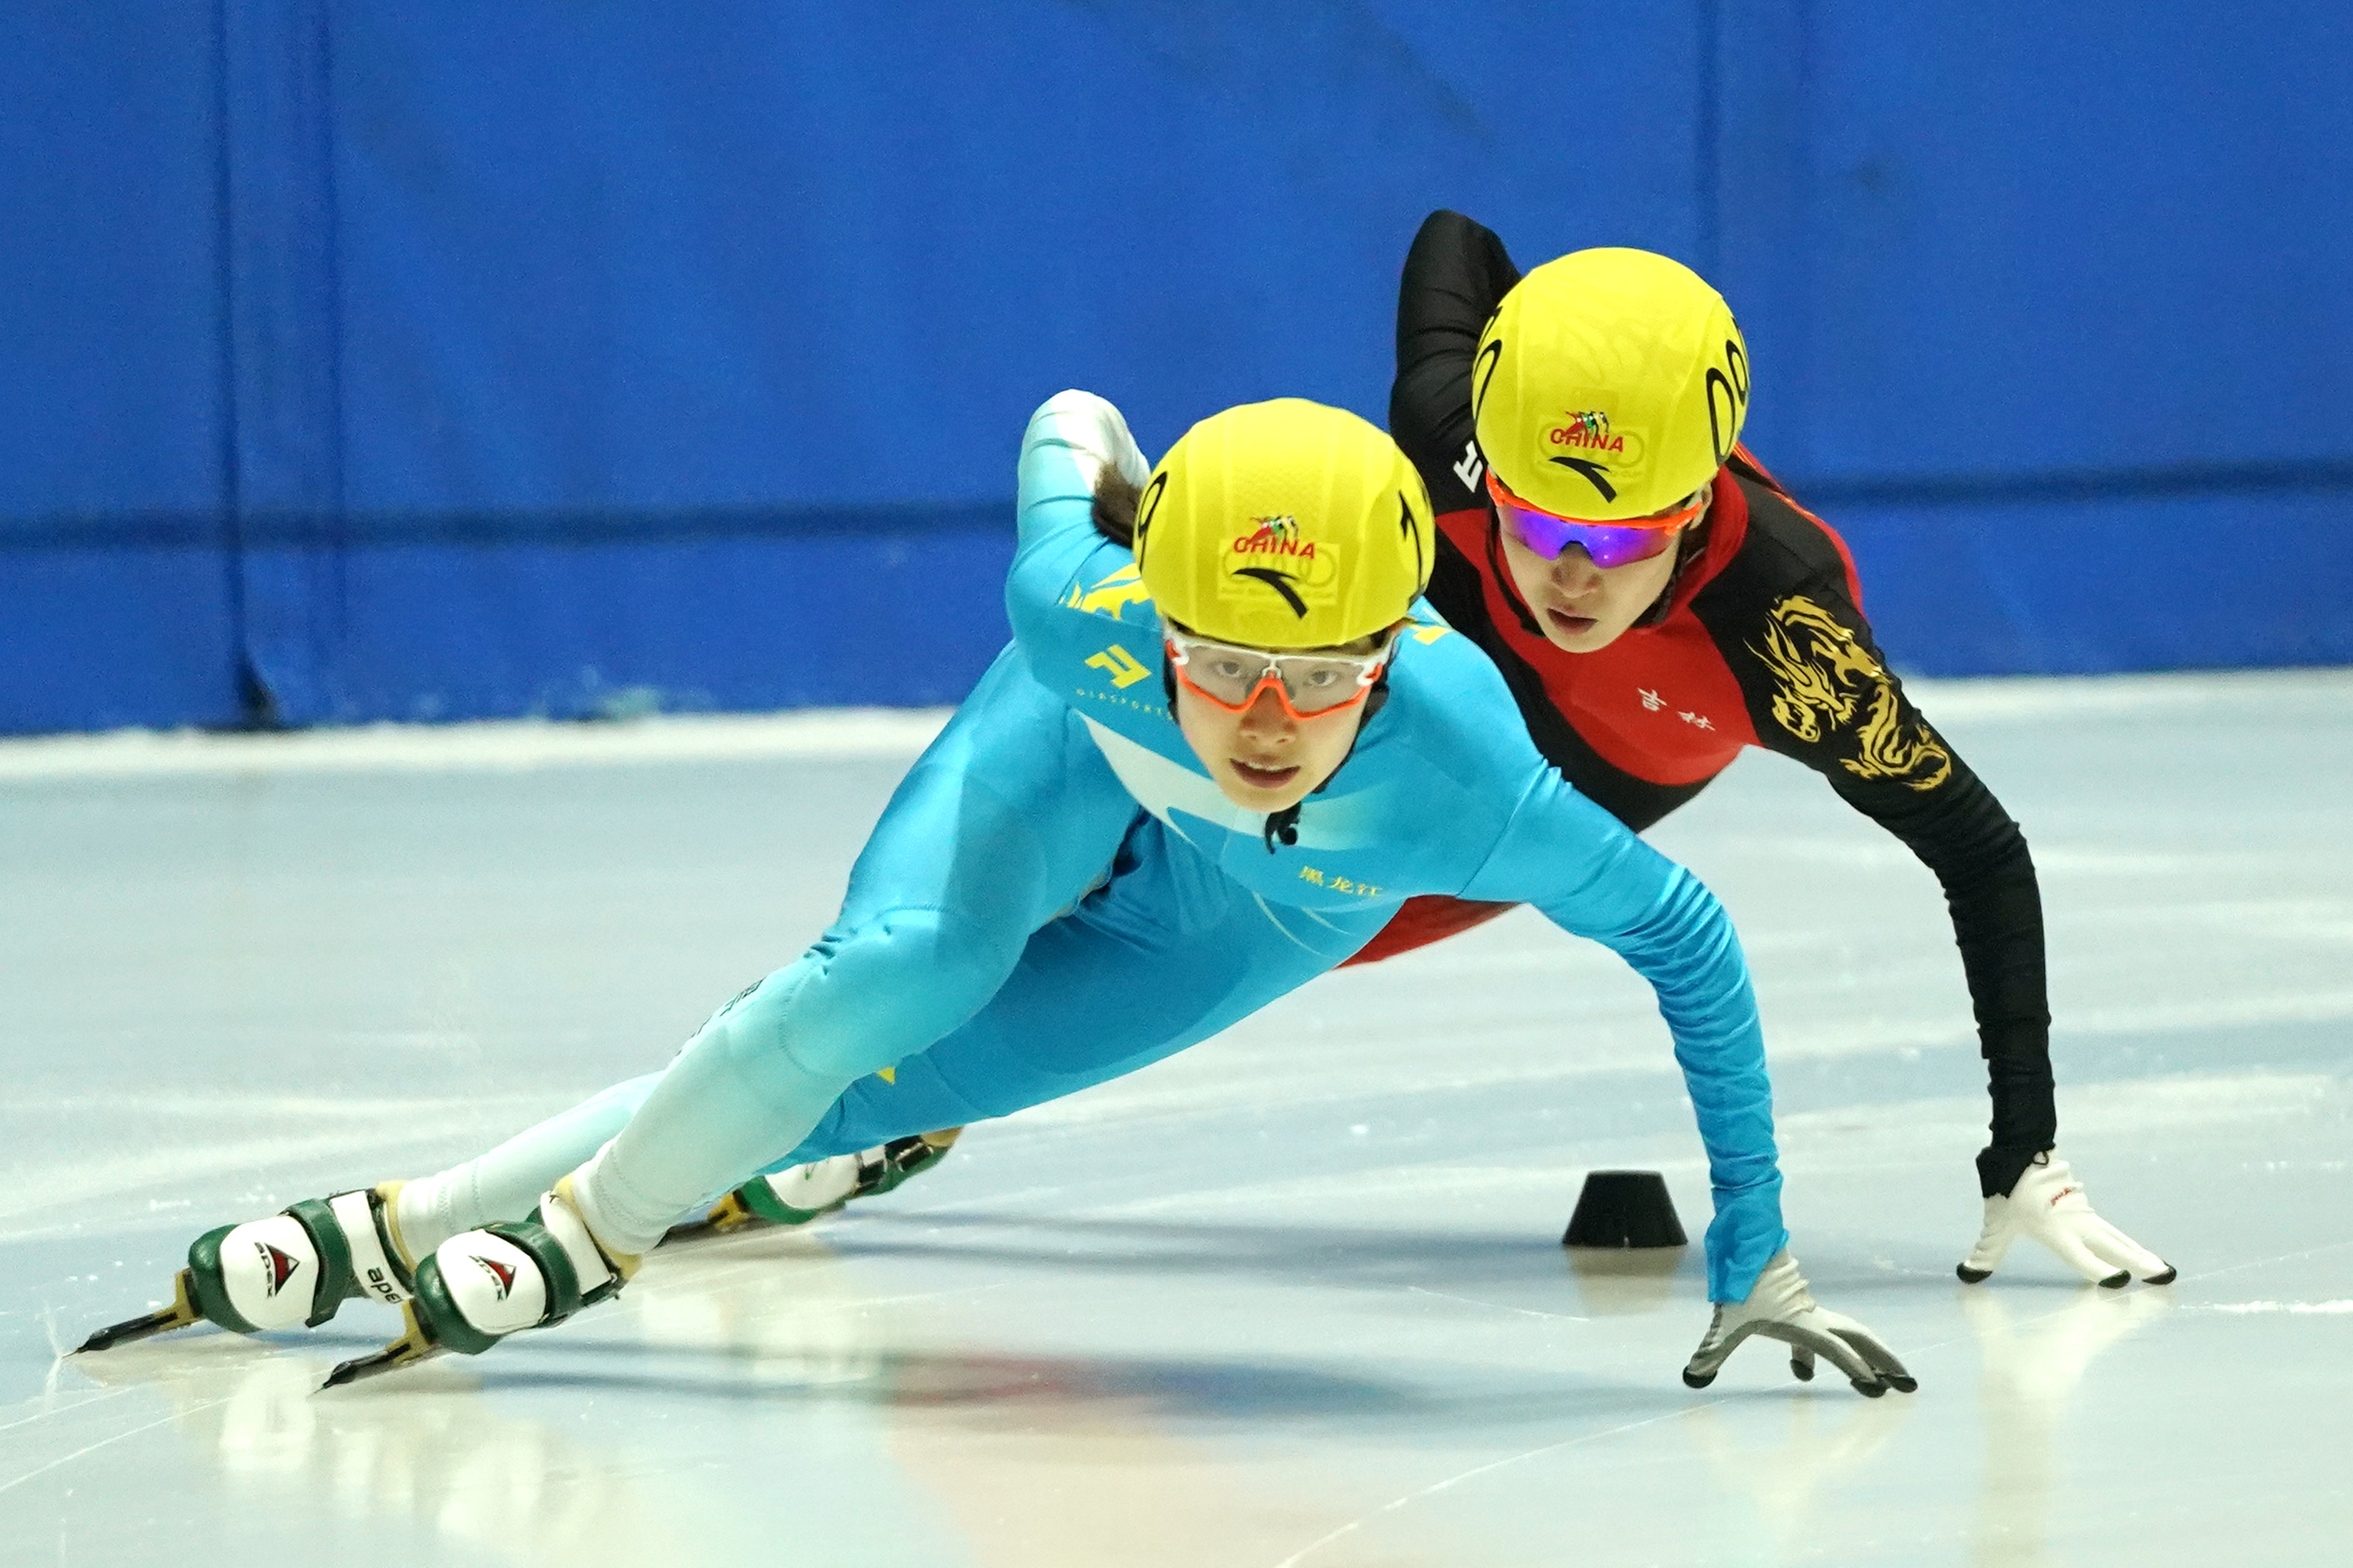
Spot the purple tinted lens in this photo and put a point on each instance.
(1548, 535)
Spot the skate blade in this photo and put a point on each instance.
(406, 1350)
(729, 1213)
(182, 1313)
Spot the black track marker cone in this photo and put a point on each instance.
(1624, 1208)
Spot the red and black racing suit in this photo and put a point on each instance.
(1759, 641)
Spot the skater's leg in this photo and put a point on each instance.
(1168, 954)
(1008, 819)
(368, 1242)
(506, 1183)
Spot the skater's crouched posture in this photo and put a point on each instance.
(1208, 769)
(1657, 602)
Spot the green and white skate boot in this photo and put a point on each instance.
(480, 1286)
(804, 1193)
(294, 1270)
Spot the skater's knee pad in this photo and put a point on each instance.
(866, 998)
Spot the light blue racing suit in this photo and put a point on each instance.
(1017, 929)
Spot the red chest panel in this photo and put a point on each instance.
(1659, 702)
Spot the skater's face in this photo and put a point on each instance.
(1265, 758)
(1583, 608)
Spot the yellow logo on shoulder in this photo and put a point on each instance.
(1111, 596)
(1119, 664)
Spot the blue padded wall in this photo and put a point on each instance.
(2047, 308)
(116, 600)
(449, 359)
(760, 299)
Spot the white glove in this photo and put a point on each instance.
(1781, 1307)
(2048, 1204)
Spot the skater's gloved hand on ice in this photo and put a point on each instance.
(2048, 1204)
(1781, 1307)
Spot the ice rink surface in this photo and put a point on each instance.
(1293, 1298)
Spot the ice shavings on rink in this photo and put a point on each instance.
(2327, 1309)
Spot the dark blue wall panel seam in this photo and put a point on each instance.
(588, 528)
(223, 528)
(914, 523)
(2202, 481)
(285, 339)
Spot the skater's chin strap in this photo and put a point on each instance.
(1283, 825)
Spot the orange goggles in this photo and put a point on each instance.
(1308, 685)
(1606, 544)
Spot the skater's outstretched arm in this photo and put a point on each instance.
(1663, 921)
(1589, 876)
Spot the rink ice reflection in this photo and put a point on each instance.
(1293, 1298)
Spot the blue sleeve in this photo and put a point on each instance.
(1589, 876)
(1060, 561)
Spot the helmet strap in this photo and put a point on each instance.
(1501, 572)
(1284, 824)
(1688, 549)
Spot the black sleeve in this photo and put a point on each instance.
(1818, 690)
(1455, 275)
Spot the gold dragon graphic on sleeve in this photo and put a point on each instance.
(1827, 683)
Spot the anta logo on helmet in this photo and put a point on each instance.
(1587, 433)
(1586, 443)
(1272, 555)
(502, 1275)
(277, 1267)
(1275, 536)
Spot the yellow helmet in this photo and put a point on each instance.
(1284, 524)
(1609, 384)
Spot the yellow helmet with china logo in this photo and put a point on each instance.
(1285, 525)
(1609, 384)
